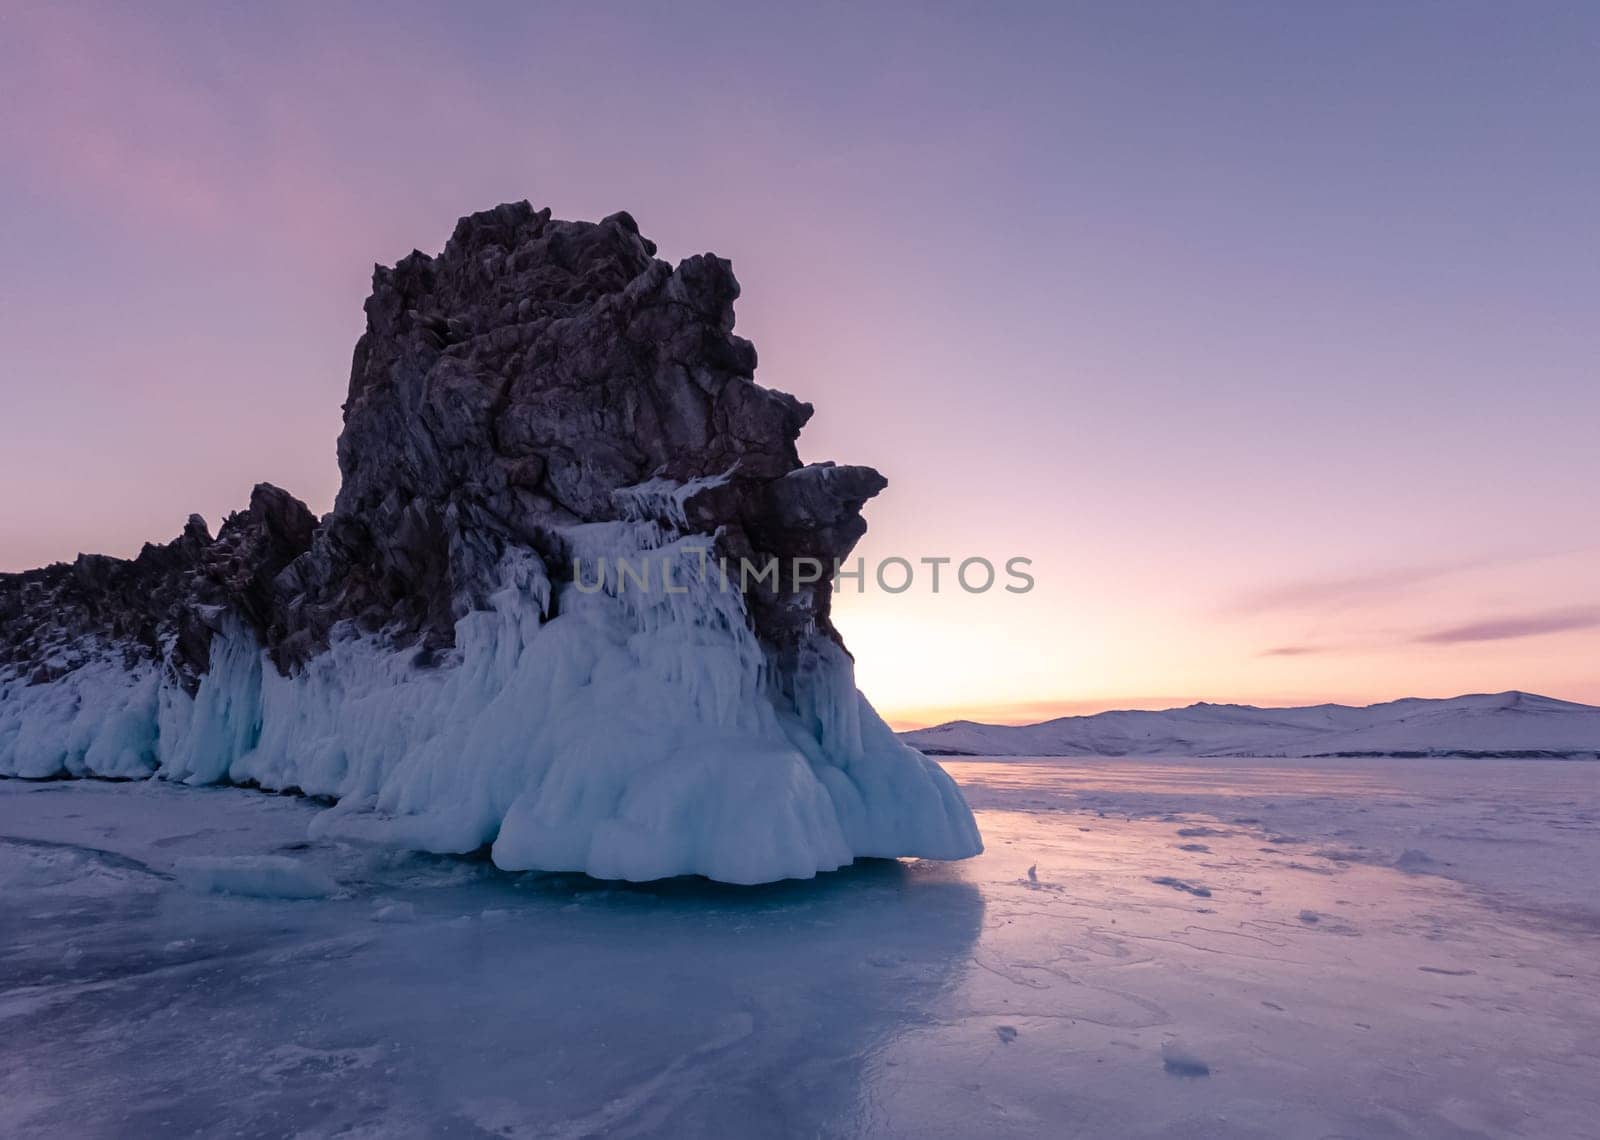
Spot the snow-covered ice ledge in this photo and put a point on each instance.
(635, 735)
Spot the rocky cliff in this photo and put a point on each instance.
(540, 396)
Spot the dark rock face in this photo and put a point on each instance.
(55, 619)
(163, 605)
(237, 574)
(502, 390)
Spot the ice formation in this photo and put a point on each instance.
(439, 654)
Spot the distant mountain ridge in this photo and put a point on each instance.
(1482, 724)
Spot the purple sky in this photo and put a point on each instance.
(1268, 331)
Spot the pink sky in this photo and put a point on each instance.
(1270, 340)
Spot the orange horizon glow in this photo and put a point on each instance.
(1093, 638)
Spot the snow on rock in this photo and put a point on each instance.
(1497, 724)
(445, 654)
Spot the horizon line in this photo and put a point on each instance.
(1024, 713)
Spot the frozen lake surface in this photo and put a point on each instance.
(1161, 948)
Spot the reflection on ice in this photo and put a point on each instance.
(443, 997)
(1192, 948)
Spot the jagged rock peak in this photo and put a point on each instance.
(513, 384)
(505, 389)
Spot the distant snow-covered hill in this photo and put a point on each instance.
(1484, 724)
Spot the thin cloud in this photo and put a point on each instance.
(1315, 594)
(1292, 651)
(1320, 592)
(1520, 625)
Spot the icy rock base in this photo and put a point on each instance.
(637, 735)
